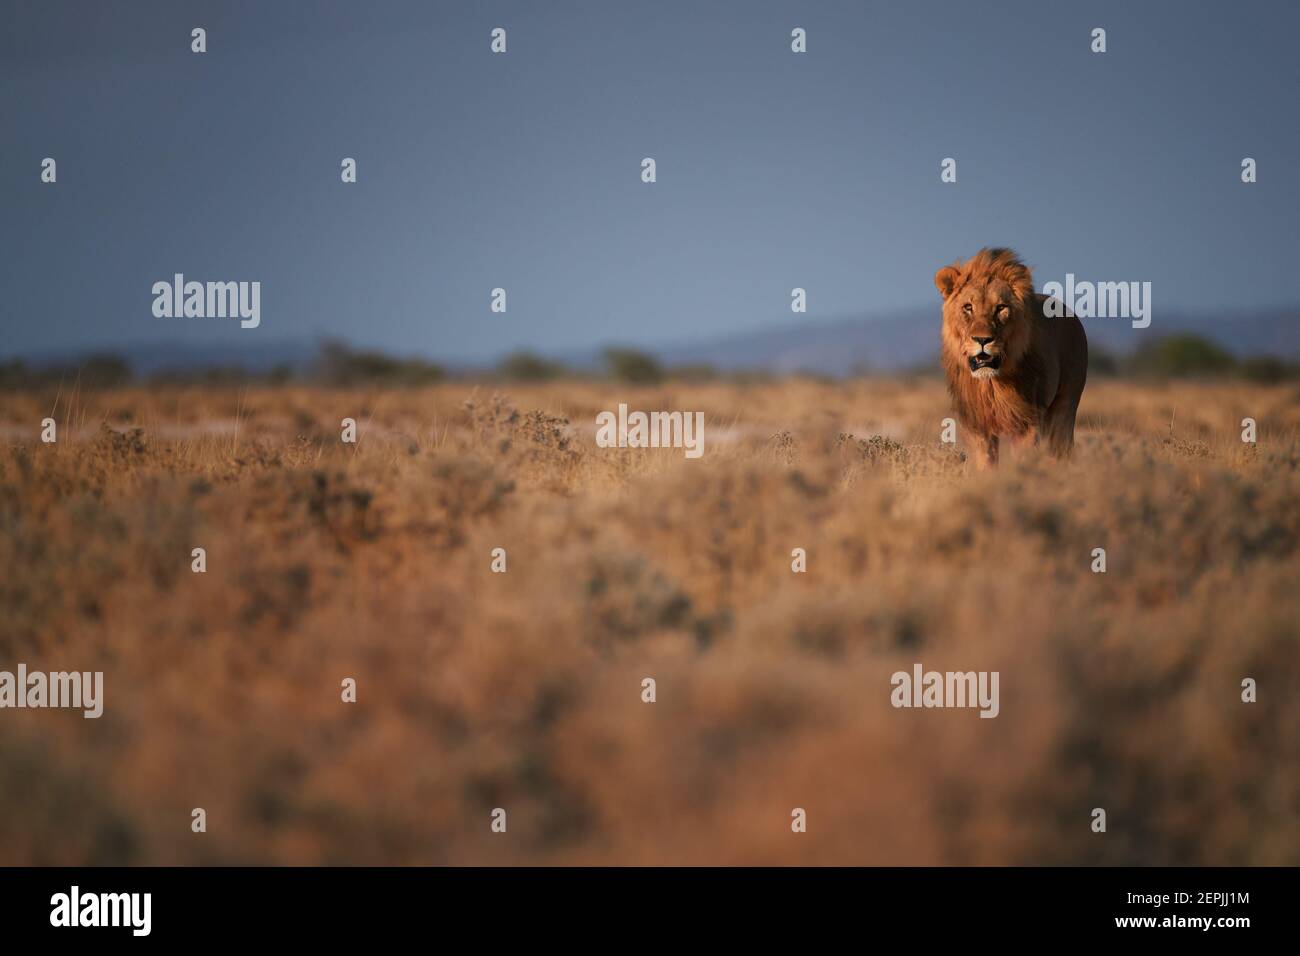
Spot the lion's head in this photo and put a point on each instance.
(986, 303)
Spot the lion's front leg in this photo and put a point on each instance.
(986, 454)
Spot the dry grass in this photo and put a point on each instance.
(522, 690)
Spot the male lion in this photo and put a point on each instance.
(1011, 369)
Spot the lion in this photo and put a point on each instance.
(1012, 370)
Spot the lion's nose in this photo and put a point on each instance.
(983, 340)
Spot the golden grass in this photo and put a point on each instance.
(523, 690)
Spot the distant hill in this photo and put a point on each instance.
(901, 340)
(907, 340)
(149, 358)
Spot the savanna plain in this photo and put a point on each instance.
(523, 690)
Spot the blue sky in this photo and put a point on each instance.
(522, 170)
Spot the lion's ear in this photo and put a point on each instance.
(1021, 281)
(946, 280)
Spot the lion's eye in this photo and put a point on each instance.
(968, 308)
(1003, 311)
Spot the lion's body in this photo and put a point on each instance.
(1036, 364)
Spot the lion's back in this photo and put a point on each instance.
(1064, 345)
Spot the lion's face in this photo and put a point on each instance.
(984, 321)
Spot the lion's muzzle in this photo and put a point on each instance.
(984, 365)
